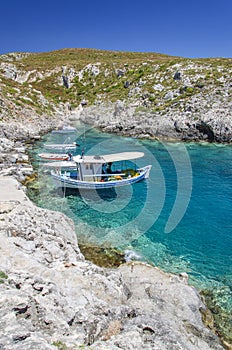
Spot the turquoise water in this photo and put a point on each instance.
(194, 181)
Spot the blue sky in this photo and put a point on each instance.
(188, 28)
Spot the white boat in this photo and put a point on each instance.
(65, 130)
(62, 146)
(54, 156)
(96, 172)
(64, 165)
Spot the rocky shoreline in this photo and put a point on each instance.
(51, 297)
(126, 120)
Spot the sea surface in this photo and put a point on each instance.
(179, 219)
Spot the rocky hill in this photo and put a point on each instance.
(136, 94)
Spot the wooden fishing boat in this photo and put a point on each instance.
(99, 172)
(61, 165)
(65, 130)
(54, 156)
(62, 146)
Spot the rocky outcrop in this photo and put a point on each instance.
(51, 297)
(124, 119)
(14, 135)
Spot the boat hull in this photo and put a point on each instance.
(65, 130)
(67, 182)
(53, 156)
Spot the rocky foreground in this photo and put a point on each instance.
(51, 297)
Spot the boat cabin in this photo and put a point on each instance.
(99, 168)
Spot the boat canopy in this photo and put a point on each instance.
(108, 158)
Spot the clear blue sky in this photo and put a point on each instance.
(189, 28)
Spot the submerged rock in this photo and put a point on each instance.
(102, 256)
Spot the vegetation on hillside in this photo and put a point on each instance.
(43, 82)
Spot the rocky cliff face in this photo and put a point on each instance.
(142, 95)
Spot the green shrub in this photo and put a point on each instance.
(3, 276)
(60, 345)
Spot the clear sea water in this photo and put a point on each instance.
(179, 219)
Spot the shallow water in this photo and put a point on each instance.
(179, 219)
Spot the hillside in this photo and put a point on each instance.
(189, 99)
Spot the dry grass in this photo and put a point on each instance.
(114, 328)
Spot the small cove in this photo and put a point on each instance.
(134, 219)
